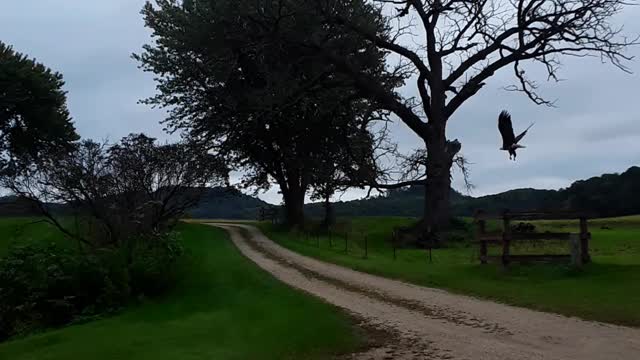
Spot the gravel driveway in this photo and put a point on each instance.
(425, 323)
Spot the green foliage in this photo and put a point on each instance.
(34, 119)
(240, 76)
(604, 290)
(152, 269)
(223, 308)
(49, 285)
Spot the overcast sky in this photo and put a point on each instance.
(594, 129)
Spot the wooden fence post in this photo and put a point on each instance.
(506, 239)
(575, 244)
(584, 240)
(346, 243)
(366, 250)
(394, 239)
(480, 230)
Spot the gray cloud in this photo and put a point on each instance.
(616, 131)
(594, 128)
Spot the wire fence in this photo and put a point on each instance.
(355, 243)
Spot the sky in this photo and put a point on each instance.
(594, 128)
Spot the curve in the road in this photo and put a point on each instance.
(434, 324)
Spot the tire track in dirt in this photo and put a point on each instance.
(424, 323)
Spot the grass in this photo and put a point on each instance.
(26, 230)
(607, 290)
(225, 308)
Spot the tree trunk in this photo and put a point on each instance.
(440, 155)
(294, 206)
(437, 207)
(329, 217)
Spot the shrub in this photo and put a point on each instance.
(45, 286)
(50, 286)
(153, 267)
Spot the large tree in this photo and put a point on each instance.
(34, 119)
(263, 103)
(453, 47)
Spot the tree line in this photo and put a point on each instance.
(608, 195)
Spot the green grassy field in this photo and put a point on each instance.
(607, 290)
(26, 230)
(225, 308)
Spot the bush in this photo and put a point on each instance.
(153, 267)
(50, 286)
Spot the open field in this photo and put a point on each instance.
(607, 290)
(26, 230)
(225, 308)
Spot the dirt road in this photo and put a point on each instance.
(424, 323)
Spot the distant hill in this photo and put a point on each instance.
(516, 200)
(606, 195)
(404, 202)
(16, 206)
(226, 203)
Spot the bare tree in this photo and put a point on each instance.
(455, 46)
(117, 192)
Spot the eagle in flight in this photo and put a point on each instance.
(509, 140)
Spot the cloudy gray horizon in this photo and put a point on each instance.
(594, 129)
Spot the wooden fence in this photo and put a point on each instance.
(579, 242)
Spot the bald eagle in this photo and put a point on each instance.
(509, 140)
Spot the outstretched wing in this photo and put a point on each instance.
(519, 137)
(506, 130)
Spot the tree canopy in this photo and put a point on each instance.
(255, 97)
(34, 118)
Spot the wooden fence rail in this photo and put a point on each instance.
(579, 242)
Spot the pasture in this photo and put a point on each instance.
(223, 308)
(26, 230)
(606, 290)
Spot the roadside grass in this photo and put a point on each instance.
(224, 308)
(607, 290)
